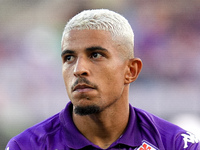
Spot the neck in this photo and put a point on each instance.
(104, 128)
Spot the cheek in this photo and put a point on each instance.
(67, 79)
(112, 89)
(113, 78)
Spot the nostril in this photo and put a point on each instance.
(84, 73)
(80, 73)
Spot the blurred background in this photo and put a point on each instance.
(167, 39)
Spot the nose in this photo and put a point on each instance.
(81, 68)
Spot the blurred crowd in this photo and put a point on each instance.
(167, 39)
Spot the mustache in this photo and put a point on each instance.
(83, 81)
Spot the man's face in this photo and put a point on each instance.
(93, 69)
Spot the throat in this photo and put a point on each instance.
(101, 133)
(104, 141)
(103, 128)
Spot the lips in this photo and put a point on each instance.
(82, 88)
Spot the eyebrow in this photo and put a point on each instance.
(67, 52)
(92, 48)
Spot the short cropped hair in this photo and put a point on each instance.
(107, 20)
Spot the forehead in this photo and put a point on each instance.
(80, 39)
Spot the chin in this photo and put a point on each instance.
(86, 110)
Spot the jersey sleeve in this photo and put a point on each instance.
(187, 141)
(12, 145)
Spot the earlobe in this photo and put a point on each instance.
(134, 68)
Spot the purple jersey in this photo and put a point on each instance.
(144, 132)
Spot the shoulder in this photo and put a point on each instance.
(170, 135)
(151, 121)
(36, 135)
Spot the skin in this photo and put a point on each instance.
(93, 55)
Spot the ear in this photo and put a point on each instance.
(134, 68)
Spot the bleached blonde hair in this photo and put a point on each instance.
(107, 20)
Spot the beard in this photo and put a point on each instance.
(87, 110)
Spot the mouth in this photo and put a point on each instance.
(83, 88)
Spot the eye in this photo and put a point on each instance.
(96, 55)
(68, 58)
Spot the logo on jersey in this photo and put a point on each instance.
(147, 146)
(189, 138)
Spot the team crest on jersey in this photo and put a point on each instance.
(147, 146)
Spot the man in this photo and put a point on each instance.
(98, 66)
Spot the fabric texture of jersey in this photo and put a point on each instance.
(143, 132)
